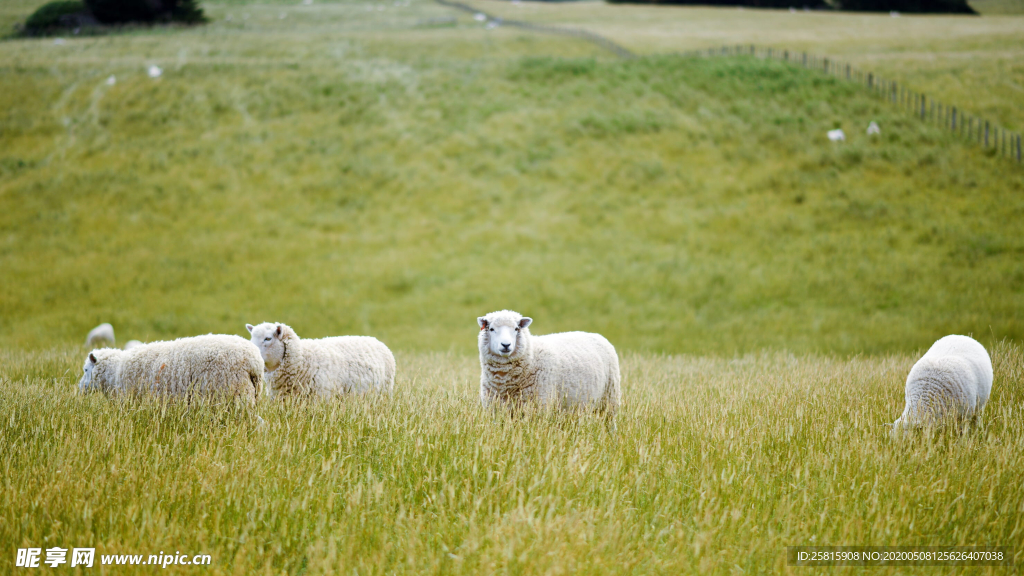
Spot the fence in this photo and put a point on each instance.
(1002, 141)
(956, 120)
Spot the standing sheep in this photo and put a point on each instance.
(102, 334)
(953, 379)
(214, 365)
(569, 371)
(324, 367)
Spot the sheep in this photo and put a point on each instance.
(132, 344)
(324, 367)
(102, 334)
(569, 371)
(214, 365)
(873, 129)
(836, 135)
(953, 379)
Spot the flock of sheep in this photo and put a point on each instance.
(570, 371)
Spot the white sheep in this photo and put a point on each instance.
(569, 371)
(132, 344)
(102, 334)
(215, 365)
(836, 135)
(323, 367)
(952, 380)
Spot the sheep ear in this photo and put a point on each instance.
(525, 322)
(482, 321)
(278, 332)
(249, 327)
(92, 357)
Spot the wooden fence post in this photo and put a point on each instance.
(986, 133)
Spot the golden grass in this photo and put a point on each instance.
(717, 465)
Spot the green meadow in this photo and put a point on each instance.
(396, 170)
(402, 181)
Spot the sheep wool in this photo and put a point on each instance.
(322, 367)
(953, 379)
(211, 365)
(568, 371)
(132, 344)
(102, 334)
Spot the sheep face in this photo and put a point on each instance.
(270, 339)
(96, 372)
(85, 385)
(501, 332)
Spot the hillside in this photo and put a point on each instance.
(397, 179)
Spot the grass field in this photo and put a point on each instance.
(402, 181)
(718, 464)
(371, 168)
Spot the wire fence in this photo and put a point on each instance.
(1001, 141)
(990, 136)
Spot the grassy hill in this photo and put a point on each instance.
(968, 61)
(402, 181)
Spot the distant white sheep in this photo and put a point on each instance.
(324, 367)
(132, 344)
(873, 129)
(836, 135)
(568, 371)
(214, 365)
(99, 336)
(952, 380)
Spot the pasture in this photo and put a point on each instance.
(379, 168)
(717, 466)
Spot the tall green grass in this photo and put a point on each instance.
(717, 466)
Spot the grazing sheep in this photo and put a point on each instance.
(953, 379)
(873, 129)
(132, 344)
(324, 367)
(102, 334)
(215, 365)
(836, 135)
(569, 371)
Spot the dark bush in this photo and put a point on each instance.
(752, 3)
(64, 14)
(909, 6)
(124, 11)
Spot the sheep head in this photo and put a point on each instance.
(272, 341)
(503, 333)
(99, 370)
